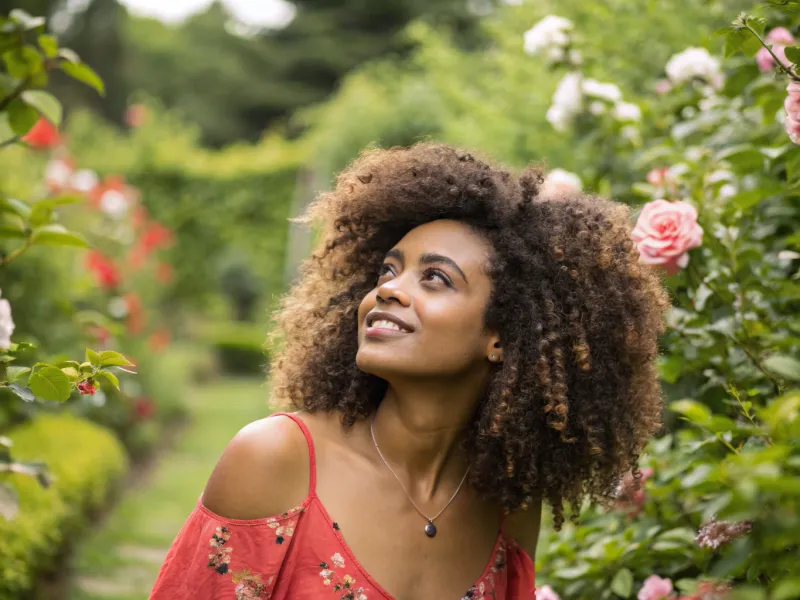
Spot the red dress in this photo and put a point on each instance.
(300, 555)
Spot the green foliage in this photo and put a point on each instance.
(86, 463)
(239, 347)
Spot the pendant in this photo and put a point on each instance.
(430, 529)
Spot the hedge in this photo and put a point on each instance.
(86, 462)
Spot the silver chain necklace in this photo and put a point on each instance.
(430, 528)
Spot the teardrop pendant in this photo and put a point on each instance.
(430, 529)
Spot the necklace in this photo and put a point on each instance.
(430, 528)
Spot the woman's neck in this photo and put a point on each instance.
(419, 429)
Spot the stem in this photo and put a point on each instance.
(11, 141)
(781, 66)
(14, 94)
(15, 254)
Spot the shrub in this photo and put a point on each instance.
(86, 463)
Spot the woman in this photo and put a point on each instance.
(458, 348)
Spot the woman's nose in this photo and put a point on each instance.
(393, 290)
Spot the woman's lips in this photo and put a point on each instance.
(383, 332)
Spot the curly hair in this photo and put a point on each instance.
(576, 397)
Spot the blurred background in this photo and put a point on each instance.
(147, 176)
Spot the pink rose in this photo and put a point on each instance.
(546, 593)
(655, 588)
(780, 37)
(656, 177)
(665, 232)
(792, 107)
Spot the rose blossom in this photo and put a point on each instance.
(43, 135)
(665, 232)
(780, 37)
(694, 63)
(546, 593)
(655, 588)
(87, 388)
(792, 107)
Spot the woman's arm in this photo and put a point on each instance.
(523, 527)
(263, 471)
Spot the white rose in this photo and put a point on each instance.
(550, 31)
(597, 108)
(84, 180)
(694, 63)
(58, 173)
(6, 324)
(559, 182)
(555, 54)
(605, 91)
(568, 93)
(627, 111)
(727, 190)
(559, 118)
(114, 204)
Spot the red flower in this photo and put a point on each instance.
(136, 115)
(87, 388)
(144, 407)
(42, 136)
(160, 339)
(136, 318)
(164, 272)
(154, 237)
(105, 272)
(100, 334)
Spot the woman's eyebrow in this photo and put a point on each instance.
(426, 259)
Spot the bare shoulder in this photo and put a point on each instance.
(263, 471)
(523, 527)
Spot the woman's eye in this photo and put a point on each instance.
(437, 273)
(383, 270)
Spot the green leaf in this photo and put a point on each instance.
(60, 201)
(747, 199)
(785, 366)
(51, 384)
(21, 117)
(109, 377)
(14, 373)
(18, 207)
(23, 392)
(6, 133)
(693, 411)
(57, 235)
(786, 589)
(70, 372)
(622, 584)
(92, 357)
(69, 55)
(49, 45)
(44, 102)
(23, 62)
(110, 358)
(84, 73)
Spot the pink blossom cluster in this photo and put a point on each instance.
(660, 588)
(779, 38)
(792, 106)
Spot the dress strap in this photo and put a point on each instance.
(312, 458)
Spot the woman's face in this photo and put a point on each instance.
(433, 283)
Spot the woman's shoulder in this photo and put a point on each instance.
(263, 471)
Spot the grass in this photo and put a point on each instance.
(121, 559)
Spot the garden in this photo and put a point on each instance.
(139, 264)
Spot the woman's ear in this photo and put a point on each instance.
(494, 350)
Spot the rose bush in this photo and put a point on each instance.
(51, 309)
(715, 180)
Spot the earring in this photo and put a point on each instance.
(492, 356)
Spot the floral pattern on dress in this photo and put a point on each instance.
(487, 587)
(284, 529)
(343, 585)
(249, 585)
